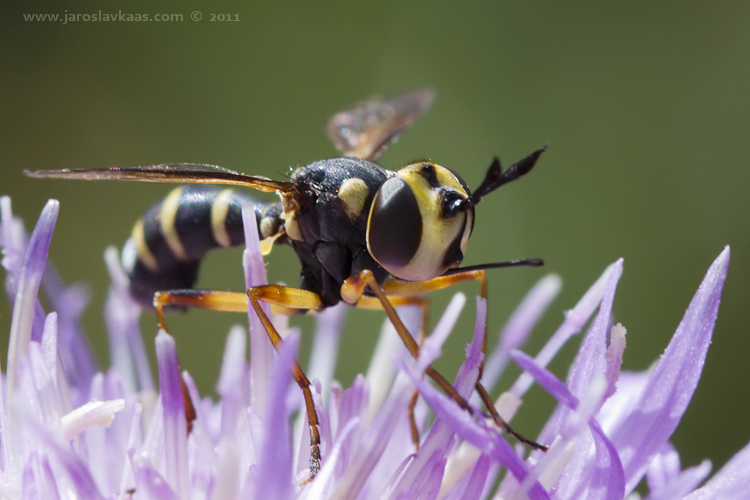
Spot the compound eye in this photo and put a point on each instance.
(395, 226)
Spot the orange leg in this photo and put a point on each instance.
(354, 287)
(424, 305)
(286, 297)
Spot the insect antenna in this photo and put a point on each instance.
(496, 265)
(495, 176)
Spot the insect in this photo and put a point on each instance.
(363, 234)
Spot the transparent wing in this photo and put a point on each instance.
(366, 130)
(181, 173)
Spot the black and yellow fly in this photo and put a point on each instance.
(363, 234)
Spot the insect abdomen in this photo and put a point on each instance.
(170, 239)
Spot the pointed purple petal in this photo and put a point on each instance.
(673, 380)
(49, 489)
(604, 478)
(261, 351)
(478, 479)
(80, 478)
(231, 382)
(518, 328)
(439, 439)
(173, 411)
(544, 378)
(474, 354)
(326, 346)
(591, 361)
(332, 467)
(685, 482)
(227, 471)
(381, 372)
(732, 482)
(150, 484)
(29, 479)
(630, 386)
(353, 404)
(427, 484)
(469, 429)
(69, 302)
(608, 481)
(121, 313)
(25, 309)
(664, 468)
(275, 457)
(372, 443)
(575, 319)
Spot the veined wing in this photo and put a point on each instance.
(180, 173)
(369, 128)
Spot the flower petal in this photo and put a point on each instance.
(684, 482)
(591, 361)
(575, 319)
(80, 479)
(601, 475)
(26, 304)
(325, 347)
(173, 411)
(262, 355)
(366, 455)
(664, 468)
(150, 484)
(730, 483)
(93, 413)
(381, 372)
(275, 457)
(468, 428)
(121, 313)
(439, 439)
(518, 328)
(673, 381)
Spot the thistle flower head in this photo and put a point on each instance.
(69, 430)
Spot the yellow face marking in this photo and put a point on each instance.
(353, 194)
(167, 221)
(141, 248)
(437, 232)
(219, 211)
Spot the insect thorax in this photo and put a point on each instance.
(327, 222)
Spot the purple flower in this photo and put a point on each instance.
(69, 431)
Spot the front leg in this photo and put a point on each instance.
(353, 289)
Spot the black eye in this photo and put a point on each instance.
(452, 203)
(395, 227)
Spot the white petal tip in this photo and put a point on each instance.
(92, 414)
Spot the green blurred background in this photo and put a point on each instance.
(645, 108)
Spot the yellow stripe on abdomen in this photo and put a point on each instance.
(168, 219)
(219, 211)
(141, 247)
